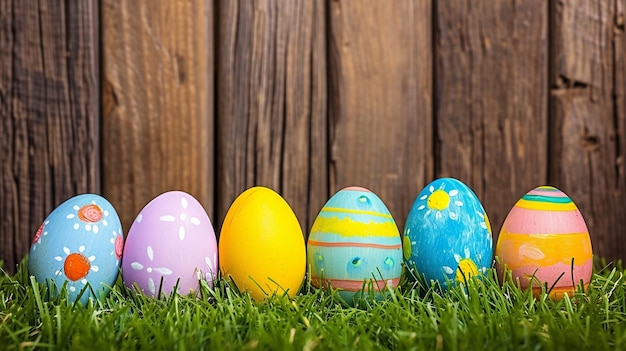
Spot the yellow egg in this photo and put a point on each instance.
(261, 246)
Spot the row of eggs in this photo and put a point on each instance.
(354, 244)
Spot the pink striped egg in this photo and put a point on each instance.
(545, 243)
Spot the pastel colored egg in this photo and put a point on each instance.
(261, 245)
(354, 245)
(170, 246)
(79, 246)
(447, 235)
(544, 241)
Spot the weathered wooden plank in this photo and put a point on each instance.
(49, 94)
(619, 54)
(588, 129)
(492, 97)
(158, 123)
(272, 103)
(305, 164)
(380, 93)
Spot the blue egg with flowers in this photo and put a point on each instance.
(78, 247)
(447, 235)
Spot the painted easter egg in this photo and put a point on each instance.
(171, 245)
(447, 235)
(78, 245)
(355, 245)
(261, 245)
(544, 241)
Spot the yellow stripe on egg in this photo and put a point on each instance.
(349, 228)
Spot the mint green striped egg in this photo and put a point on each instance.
(354, 244)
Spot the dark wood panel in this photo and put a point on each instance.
(491, 104)
(616, 250)
(157, 102)
(380, 93)
(588, 116)
(49, 93)
(272, 102)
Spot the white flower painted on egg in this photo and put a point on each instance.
(466, 267)
(439, 200)
(163, 271)
(211, 273)
(91, 216)
(76, 267)
(182, 217)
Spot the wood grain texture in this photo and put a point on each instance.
(588, 117)
(158, 123)
(380, 93)
(49, 112)
(272, 103)
(491, 104)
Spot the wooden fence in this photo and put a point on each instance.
(133, 98)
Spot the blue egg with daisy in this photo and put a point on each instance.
(78, 247)
(447, 235)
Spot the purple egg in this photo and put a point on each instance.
(171, 244)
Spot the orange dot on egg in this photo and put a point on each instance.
(76, 266)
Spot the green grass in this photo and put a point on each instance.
(483, 316)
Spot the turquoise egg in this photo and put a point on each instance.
(79, 246)
(354, 245)
(447, 235)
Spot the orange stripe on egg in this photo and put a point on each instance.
(354, 285)
(358, 188)
(520, 250)
(559, 293)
